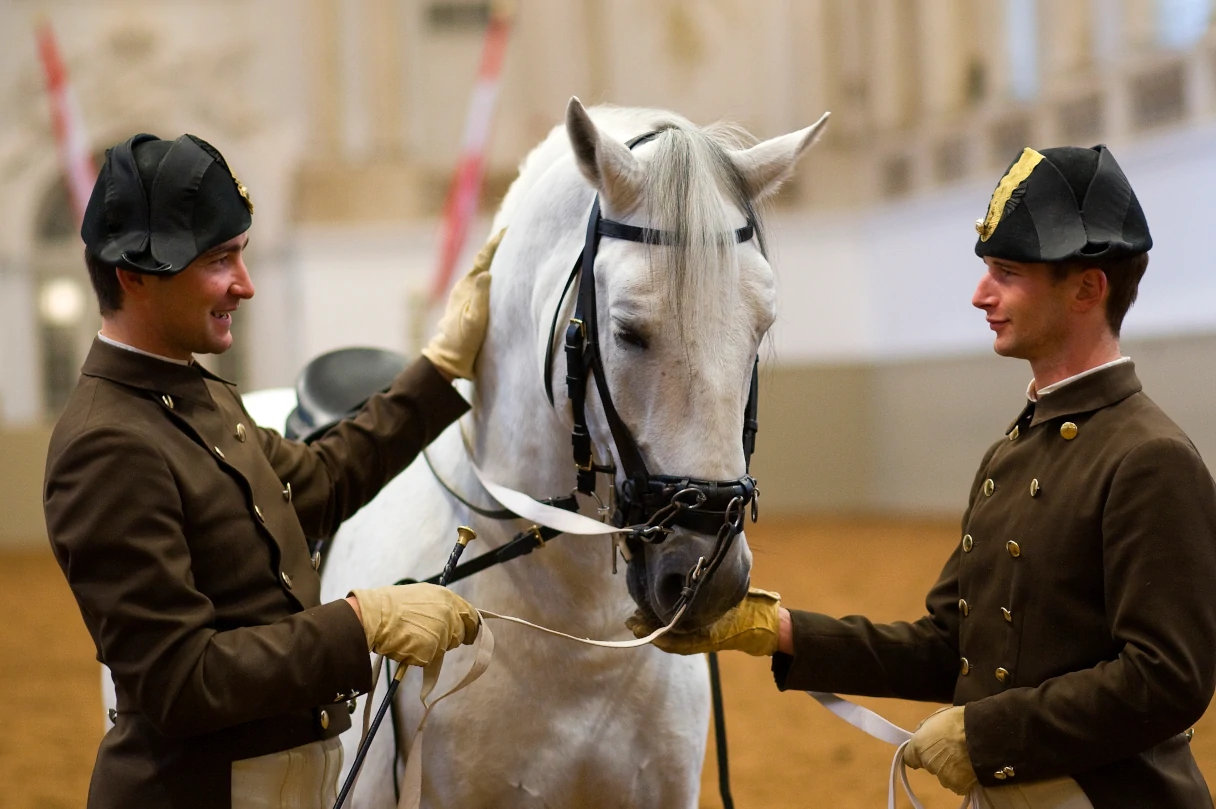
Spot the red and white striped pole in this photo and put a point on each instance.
(75, 157)
(465, 190)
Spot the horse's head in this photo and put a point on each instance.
(679, 324)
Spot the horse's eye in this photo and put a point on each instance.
(631, 337)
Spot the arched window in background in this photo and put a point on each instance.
(1181, 23)
(1022, 40)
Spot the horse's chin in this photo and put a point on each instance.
(639, 590)
(638, 583)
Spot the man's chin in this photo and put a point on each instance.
(1007, 348)
(214, 345)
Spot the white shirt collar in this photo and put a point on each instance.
(1034, 395)
(135, 350)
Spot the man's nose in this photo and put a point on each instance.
(242, 285)
(983, 297)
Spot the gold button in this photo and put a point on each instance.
(113, 716)
(351, 705)
(168, 400)
(964, 667)
(1189, 734)
(989, 487)
(1068, 430)
(1013, 434)
(324, 720)
(316, 565)
(1000, 775)
(286, 579)
(1015, 550)
(968, 543)
(219, 452)
(240, 433)
(287, 493)
(1002, 674)
(964, 607)
(339, 697)
(258, 511)
(1007, 614)
(1034, 488)
(1008, 771)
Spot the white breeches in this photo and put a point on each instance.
(304, 777)
(1056, 793)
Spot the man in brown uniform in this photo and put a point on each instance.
(1073, 627)
(180, 524)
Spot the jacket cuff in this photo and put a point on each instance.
(421, 381)
(988, 736)
(797, 671)
(346, 667)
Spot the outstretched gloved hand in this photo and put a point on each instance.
(462, 329)
(939, 745)
(750, 626)
(415, 623)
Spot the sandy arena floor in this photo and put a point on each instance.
(786, 751)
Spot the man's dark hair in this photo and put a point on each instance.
(1122, 279)
(105, 284)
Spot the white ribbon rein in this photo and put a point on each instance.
(568, 522)
(871, 723)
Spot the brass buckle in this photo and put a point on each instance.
(582, 327)
(540, 538)
(587, 468)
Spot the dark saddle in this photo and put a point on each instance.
(335, 385)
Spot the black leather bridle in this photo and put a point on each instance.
(654, 504)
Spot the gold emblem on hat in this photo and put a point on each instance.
(1016, 175)
(241, 189)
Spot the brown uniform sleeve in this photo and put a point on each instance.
(336, 475)
(1159, 558)
(127, 560)
(852, 655)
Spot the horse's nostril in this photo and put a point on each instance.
(667, 592)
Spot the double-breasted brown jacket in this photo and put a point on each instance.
(1075, 617)
(180, 526)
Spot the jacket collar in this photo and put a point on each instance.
(149, 373)
(1093, 392)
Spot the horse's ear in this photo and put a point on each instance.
(606, 163)
(767, 165)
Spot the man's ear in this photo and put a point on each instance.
(132, 282)
(1092, 289)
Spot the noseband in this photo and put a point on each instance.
(655, 504)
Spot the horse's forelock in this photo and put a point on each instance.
(686, 177)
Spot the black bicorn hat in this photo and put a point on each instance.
(157, 205)
(1062, 204)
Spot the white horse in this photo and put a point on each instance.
(554, 723)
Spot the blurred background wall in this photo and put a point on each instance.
(344, 118)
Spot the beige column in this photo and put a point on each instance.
(324, 34)
(1068, 45)
(1139, 24)
(943, 56)
(846, 40)
(895, 65)
(385, 76)
(811, 62)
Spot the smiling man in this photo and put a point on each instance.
(180, 524)
(1072, 629)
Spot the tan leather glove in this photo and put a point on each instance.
(750, 626)
(939, 745)
(415, 623)
(462, 328)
